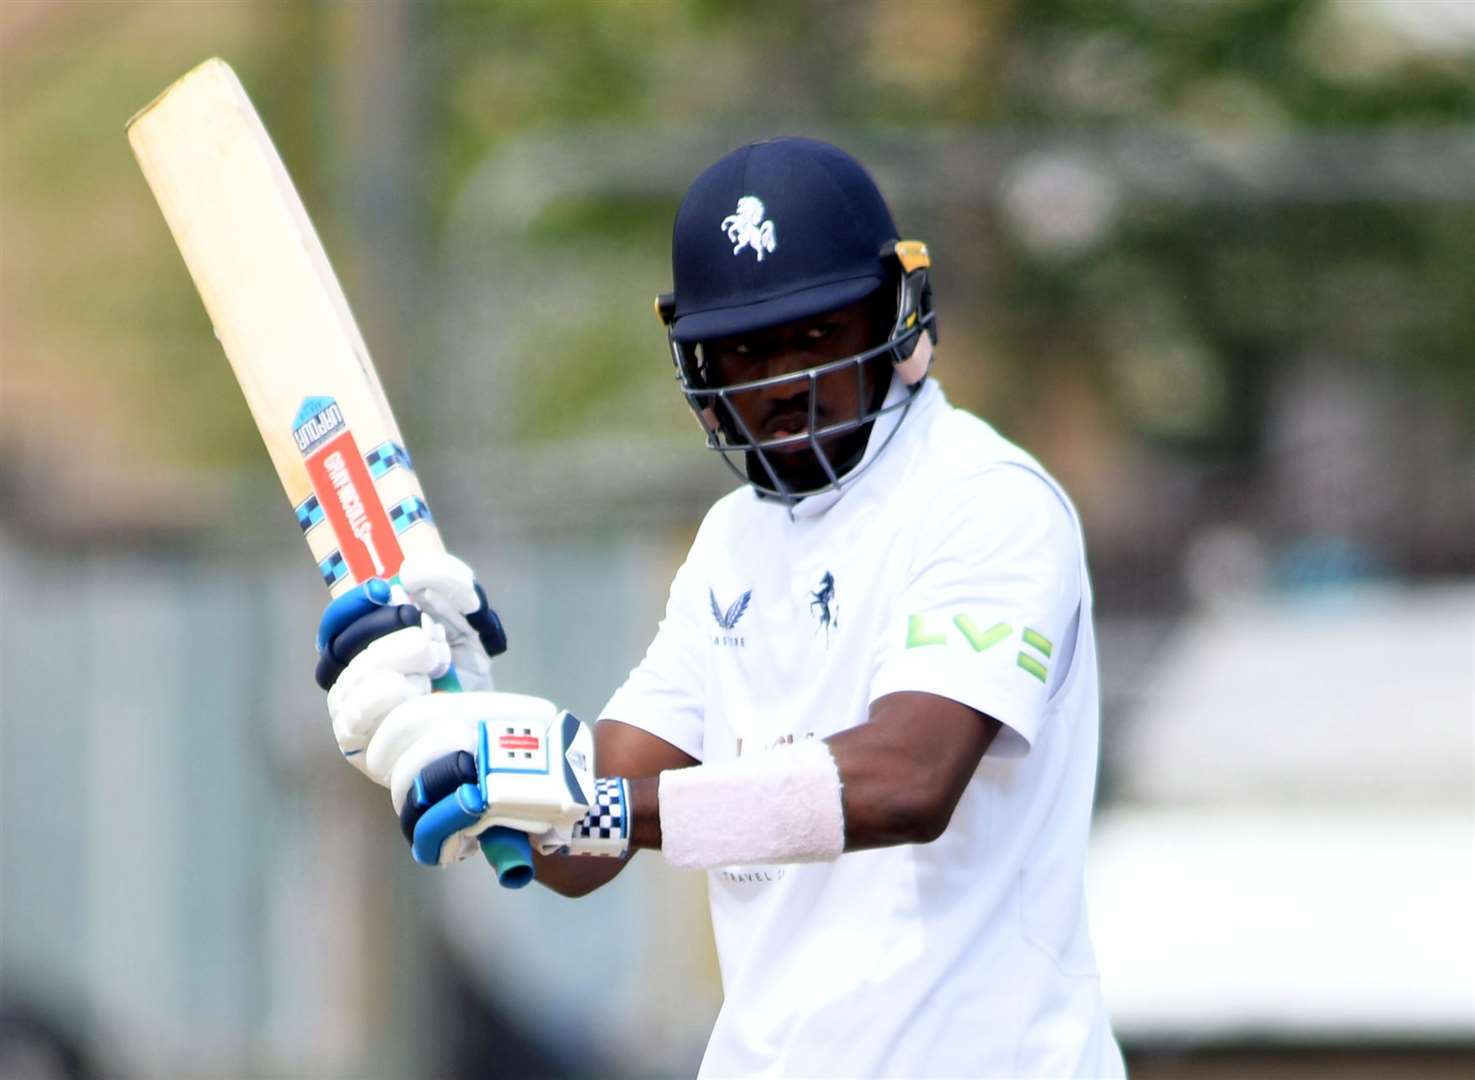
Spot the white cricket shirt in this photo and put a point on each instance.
(953, 565)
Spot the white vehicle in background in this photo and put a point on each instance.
(1288, 856)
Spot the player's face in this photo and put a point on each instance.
(782, 409)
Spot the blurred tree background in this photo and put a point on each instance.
(1148, 218)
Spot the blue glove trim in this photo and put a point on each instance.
(456, 811)
(442, 777)
(506, 849)
(356, 602)
(483, 759)
(443, 820)
(451, 794)
(358, 636)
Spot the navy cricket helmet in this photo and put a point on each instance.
(775, 232)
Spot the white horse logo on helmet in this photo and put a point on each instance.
(745, 227)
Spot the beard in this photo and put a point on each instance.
(799, 469)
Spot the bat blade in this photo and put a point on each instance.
(285, 325)
(282, 318)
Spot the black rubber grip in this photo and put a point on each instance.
(358, 636)
(439, 779)
(488, 626)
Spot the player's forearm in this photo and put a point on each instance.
(575, 875)
(645, 803)
(579, 875)
(881, 808)
(903, 771)
(893, 780)
(885, 805)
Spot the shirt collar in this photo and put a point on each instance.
(881, 434)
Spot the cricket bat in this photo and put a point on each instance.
(293, 344)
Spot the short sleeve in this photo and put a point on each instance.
(990, 610)
(664, 694)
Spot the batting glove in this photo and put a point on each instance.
(459, 764)
(444, 587)
(377, 650)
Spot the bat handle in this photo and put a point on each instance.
(507, 850)
(510, 855)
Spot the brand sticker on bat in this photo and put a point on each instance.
(345, 490)
(318, 420)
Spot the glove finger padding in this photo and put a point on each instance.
(444, 587)
(390, 671)
(411, 737)
(441, 780)
(419, 731)
(532, 771)
(360, 709)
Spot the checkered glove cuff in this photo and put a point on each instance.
(605, 829)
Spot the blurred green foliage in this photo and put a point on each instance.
(1241, 286)
(1175, 309)
(1177, 312)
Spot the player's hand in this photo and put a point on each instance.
(394, 653)
(441, 586)
(444, 587)
(376, 650)
(459, 764)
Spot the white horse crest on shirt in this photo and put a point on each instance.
(745, 227)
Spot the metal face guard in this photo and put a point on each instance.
(731, 437)
(909, 346)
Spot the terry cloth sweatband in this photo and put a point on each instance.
(781, 806)
(605, 829)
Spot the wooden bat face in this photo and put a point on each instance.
(285, 325)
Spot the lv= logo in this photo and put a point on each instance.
(923, 632)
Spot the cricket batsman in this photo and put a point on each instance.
(870, 713)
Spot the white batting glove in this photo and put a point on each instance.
(444, 587)
(391, 671)
(459, 764)
(380, 645)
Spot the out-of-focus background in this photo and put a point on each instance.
(1212, 260)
